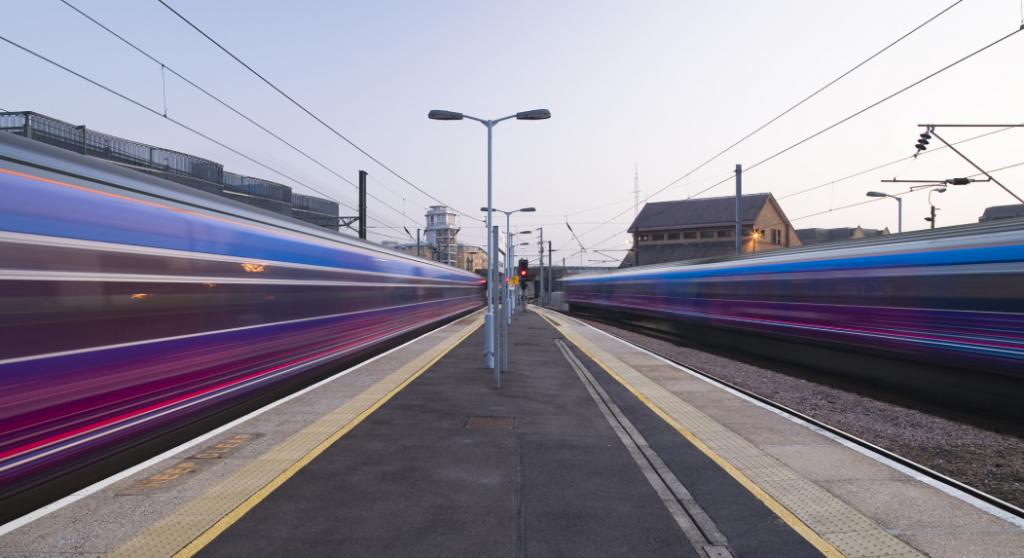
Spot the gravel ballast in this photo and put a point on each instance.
(987, 461)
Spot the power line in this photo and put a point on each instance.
(808, 98)
(891, 163)
(304, 109)
(225, 104)
(875, 104)
(156, 112)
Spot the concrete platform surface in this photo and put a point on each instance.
(592, 447)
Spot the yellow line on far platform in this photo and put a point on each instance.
(784, 514)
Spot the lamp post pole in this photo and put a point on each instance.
(540, 114)
(899, 204)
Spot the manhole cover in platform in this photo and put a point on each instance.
(490, 423)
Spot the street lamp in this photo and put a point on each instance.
(940, 190)
(540, 114)
(898, 201)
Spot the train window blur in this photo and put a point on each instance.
(707, 234)
(689, 235)
(643, 237)
(673, 236)
(658, 237)
(725, 234)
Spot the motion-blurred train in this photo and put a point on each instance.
(131, 305)
(945, 299)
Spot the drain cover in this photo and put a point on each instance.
(490, 423)
(717, 551)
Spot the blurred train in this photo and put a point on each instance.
(131, 305)
(942, 299)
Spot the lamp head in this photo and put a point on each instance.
(940, 189)
(483, 209)
(528, 209)
(539, 114)
(525, 232)
(444, 115)
(877, 195)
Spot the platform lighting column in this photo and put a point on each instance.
(540, 114)
(540, 288)
(551, 274)
(899, 203)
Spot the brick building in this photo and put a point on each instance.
(701, 228)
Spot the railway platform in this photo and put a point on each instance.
(591, 447)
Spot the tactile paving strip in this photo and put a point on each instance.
(193, 525)
(828, 523)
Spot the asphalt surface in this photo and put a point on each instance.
(413, 480)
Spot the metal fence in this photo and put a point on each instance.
(182, 168)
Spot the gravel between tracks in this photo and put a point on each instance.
(988, 461)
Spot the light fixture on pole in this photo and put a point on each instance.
(940, 190)
(540, 114)
(899, 201)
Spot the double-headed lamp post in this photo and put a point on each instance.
(898, 201)
(540, 114)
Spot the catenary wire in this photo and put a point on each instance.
(307, 111)
(808, 98)
(156, 112)
(223, 103)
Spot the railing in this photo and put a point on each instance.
(179, 167)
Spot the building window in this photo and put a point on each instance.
(689, 235)
(747, 232)
(643, 237)
(658, 237)
(725, 234)
(707, 234)
(673, 236)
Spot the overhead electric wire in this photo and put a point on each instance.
(224, 103)
(307, 111)
(808, 98)
(168, 118)
(907, 158)
(875, 104)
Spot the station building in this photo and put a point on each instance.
(682, 230)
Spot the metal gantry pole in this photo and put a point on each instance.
(551, 274)
(489, 316)
(739, 208)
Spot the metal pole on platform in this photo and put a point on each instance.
(540, 285)
(492, 337)
(551, 274)
(540, 114)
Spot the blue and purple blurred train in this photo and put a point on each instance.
(130, 305)
(952, 297)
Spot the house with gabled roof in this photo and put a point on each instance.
(824, 236)
(682, 230)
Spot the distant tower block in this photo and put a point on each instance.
(442, 234)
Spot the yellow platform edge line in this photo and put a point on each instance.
(787, 516)
(213, 532)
